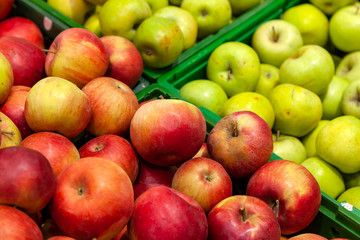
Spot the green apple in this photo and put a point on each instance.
(269, 78)
(250, 101)
(204, 93)
(297, 109)
(210, 15)
(239, 7)
(331, 98)
(349, 66)
(350, 103)
(157, 4)
(175, 2)
(289, 148)
(329, 178)
(309, 139)
(352, 196)
(329, 7)
(159, 41)
(312, 23)
(352, 180)
(184, 20)
(92, 23)
(275, 41)
(73, 9)
(344, 28)
(6, 78)
(311, 67)
(338, 143)
(235, 66)
(122, 17)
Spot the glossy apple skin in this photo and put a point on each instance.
(166, 132)
(77, 55)
(59, 150)
(26, 59)
(293, 186)
(243, 217)
(93, 199)
(125, 63)
(203, 179)
(307, 236)
(61, 238)
(114, 105)
(10, 134)
(29, 180)
(5, 8)
(242, 142)
(203, 151)
(165, 213)
(123, 235)
(17, 225)
(114, 148)
(24, 28)
(14, 107)
(6, 78)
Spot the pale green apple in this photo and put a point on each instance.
(210, 15)
(157, 4)
(329, 178)
(235, 66)
(184, 19)
(311, 67)
(73, 9)
(269, 78)
(331, 98)
(344, 28)
(329, 7)
(350, 103)
(352, 196)
(204, 93)
(159, 41)
(6, 78)
(122, 17)
(338, 143)
(239, 7)
(309, 139)
(289, 148)
(92, 23)
(250, 101)
(349, 66)
(312, 23)
(352, 180)
(297, 109)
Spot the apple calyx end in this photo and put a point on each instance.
(149, 52)
(81, 191)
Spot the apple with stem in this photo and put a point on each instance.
(289, 147)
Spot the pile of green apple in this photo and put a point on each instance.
(301, 74)
(160, 29)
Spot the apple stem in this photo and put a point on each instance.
(235, 133)
(48, 51)
(11, 133)
(277, 135)
(161, 97)
(276, 208)
(243, 214)
(275, 35)
(229, 74)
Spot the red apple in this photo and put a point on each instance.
(23, 28)
(242, 142)
(308, 236)
(59, 150)
(165, 213)
(114, 148)
(243, 217)
(114, 105)
(78, 55)
(14, 107)
(203, 152)
(28, 181)
(123, 235)
(56, 104)
(61, 238)
(17, 225)
(291, 190)
(203, 179)
(5, 8)
(168, 131)
(126, 63)
(93, 199)
(10, 134)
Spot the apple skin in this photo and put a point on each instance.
(59, 150)
(24, 28)
(253, 140)
(17, 225)
(26, 59)
(289, 148)
(349, 66)
(14, 108)
(307, 236)
(329, 7)
(165, 213)
(352, 196)
(56, 104)
(5, 8)
(269, 78)
(167, 132)
(73, 9)
(293, 186)
(125, 63)
(30, 180)
(92, 23)
(10, 134)
(114, 148)
(203, 152)
(350, 99)
(243, 217)
(6, 78)
(203, 179)
(93, 199)
(156, 5)
(309, 140)
(61, 238)
(77, 55)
